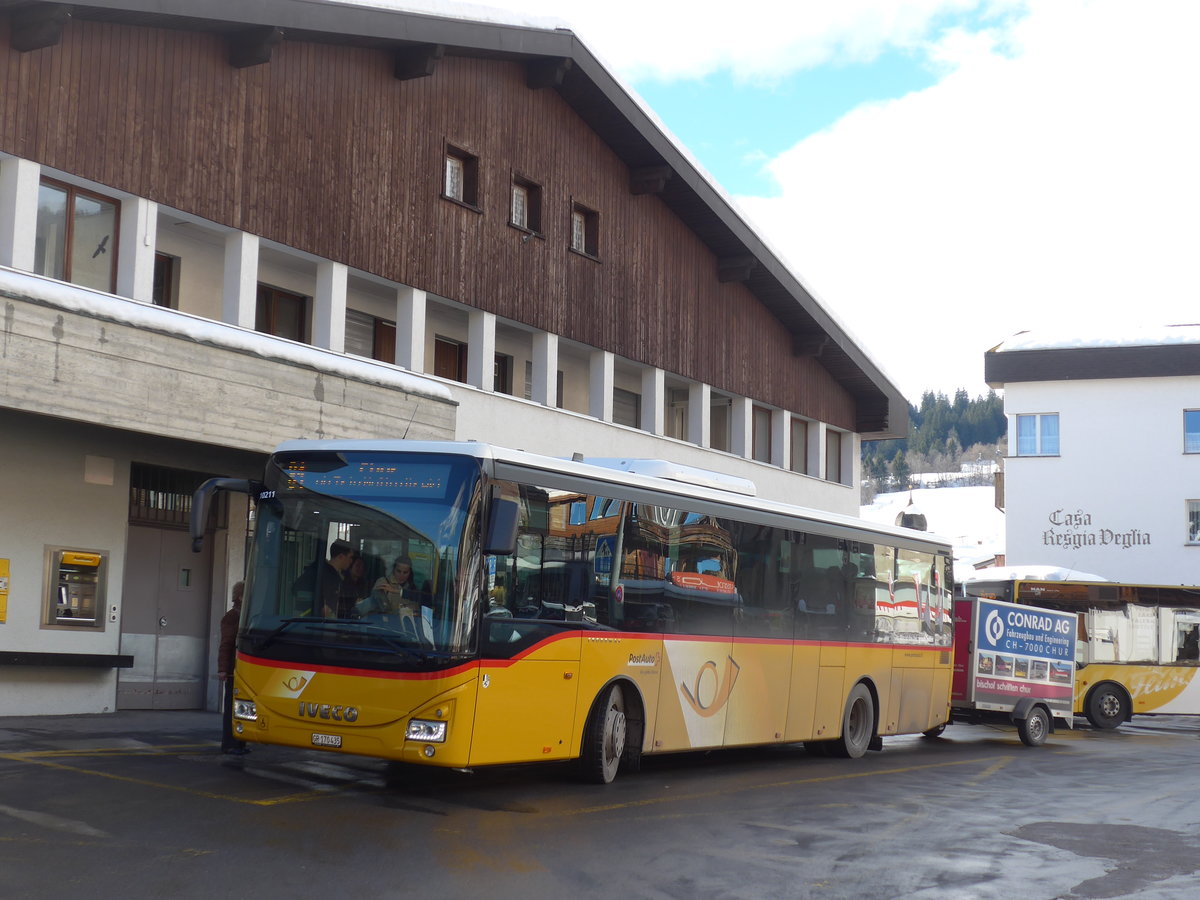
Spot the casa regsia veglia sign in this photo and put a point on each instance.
(1077, 529)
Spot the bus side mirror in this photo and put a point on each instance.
(502, 528)
(203, 497)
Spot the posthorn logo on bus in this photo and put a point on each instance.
(994, 627)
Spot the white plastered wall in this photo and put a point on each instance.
(42, 473)
(1113, 503)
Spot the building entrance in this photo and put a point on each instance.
(166, 597)
(164, 621)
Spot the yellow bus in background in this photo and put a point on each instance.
(1137, 648)
(593, 611)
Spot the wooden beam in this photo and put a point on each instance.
(417, 61)
(736, 268)
(253, 46)
(649, 179)
(544, 73)
(37, 26)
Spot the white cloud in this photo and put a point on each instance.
(753, 39)
(1051, 184)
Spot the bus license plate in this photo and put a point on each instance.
(327, 740)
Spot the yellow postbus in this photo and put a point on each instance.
(557, 609)
(1137, 648)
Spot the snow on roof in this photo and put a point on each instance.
(1132, 336)
(449, 9)
(1037, 573)
(99, 305)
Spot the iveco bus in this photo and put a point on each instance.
(565, 610)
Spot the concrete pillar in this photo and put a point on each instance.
(239, 298)
(329, 306)
(135, 253)
(19, 180)
(741, 440)
(600, 385)
(481, 350)
(654, 400)
(410, 328)
(545, 369)
(699, 414)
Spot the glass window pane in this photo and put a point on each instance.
(799, 445)
(578, 232)
(93, 243)
(51, 238)
(454, 178)
(1194, 521)
(1026, 435)
(520, 205)
(1191, 429)
(833, 456)
(1050, 435)
(761, 449)
(360, 333)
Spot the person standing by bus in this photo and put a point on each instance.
(226, 658)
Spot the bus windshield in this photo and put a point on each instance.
(364, 559)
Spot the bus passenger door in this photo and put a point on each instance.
(525, 706)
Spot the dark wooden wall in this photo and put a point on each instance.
(322, 149)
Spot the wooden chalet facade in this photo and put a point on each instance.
(295, 219)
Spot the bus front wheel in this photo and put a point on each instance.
(604, 741)
(858, 724)
(1107, 706)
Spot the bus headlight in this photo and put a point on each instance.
(245, 709)
(426, 731)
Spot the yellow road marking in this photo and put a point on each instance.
(992, 769)
(150, 750)
(37, 758)
(45, 759)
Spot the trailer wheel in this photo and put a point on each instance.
(1034, 727)
(858, 724)
(1107, 706)
(604, 741)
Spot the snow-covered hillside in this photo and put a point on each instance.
(966, 517)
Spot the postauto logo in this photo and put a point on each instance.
(993, 627)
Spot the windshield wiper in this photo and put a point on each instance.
(284, 625)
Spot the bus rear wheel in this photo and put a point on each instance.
(1107, 706)
(604, 740)
(858, 724)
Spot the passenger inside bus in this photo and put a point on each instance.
(397, 592)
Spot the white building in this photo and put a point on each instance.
(1103, 472)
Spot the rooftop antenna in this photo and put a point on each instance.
(416, 406)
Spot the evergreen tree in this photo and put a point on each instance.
(901, 474)
(938, 430)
